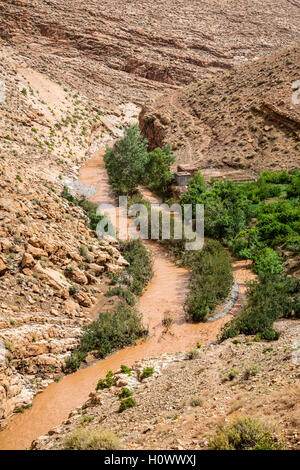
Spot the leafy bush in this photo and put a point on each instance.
(232, 374)
(112, 330)
(125, 370)
(125, 393)
(74, 361)
(157, 174)
(277, 224)
(294, 188)
(123, 293)
(269, 334)
(107, 383)
(246, 243)
(276, 177)
(210, 282)
(193, 354)
(229, 207)
(127, 403)
(267, 261)
(196, 187)
(92, 438)
(126, 161)
(226, 207)
(147, 372)
(244, 433)
(139, 271)
(251, 371)
(270, 297)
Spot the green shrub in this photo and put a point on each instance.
(139, 271)
(244, 433)
(127, 403)
(251, 371)
(125, 370)
(227, 209)
(210, 281)
(107, 383)
(232, 374)
(267, 261)
(92, 438)
(269, 298)
(74, 361)
(74, 289)
(193, 354)
(276, 177)
(123, 293)
(147, 372)
(294, 187)
(269, 334)
(297, 308)
(126, 161)
(157, 174)
(125, 393)
(246, 243)
(112, 331)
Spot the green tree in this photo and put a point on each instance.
(267, 261)
(196, 186)
(126, 161)
(226, 207)
(158, 177)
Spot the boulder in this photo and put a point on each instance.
(76, 275)
(83, 299)
(3, 266)
(95, 268)
(27, 260)
(36, 252)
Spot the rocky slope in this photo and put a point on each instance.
(243, 121)
(53, 269)
(186, 400)
(137, 48)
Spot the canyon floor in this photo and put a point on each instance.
(216, 79)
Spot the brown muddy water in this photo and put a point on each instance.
(165, 293)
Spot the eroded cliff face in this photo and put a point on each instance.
(244, 119)
(120, 50)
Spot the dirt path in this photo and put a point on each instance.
(165, 293)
